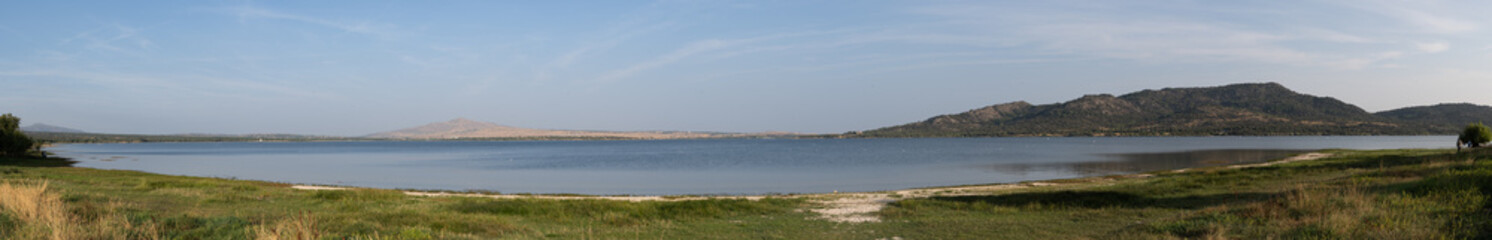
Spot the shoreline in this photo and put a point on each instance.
(848, 207)
(53, 142)
(980, 172)
(1310, 155)
(1342, 191)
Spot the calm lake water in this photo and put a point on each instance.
(726, 166)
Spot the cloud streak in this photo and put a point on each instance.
(1431, 22)
(116, 38)
(178, 84)
(1169, 37)
(1425, 16)
(678, 54)
(1433, 47)
(364, 27)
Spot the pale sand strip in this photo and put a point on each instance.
(842, 207)
(309, 187)
(516, 196)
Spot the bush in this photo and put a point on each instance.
(1476, 134)
(12, 141)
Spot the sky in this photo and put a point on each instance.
(350, 68)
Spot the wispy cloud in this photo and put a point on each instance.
(611, 38)
(1432, 47)
(727, 48)
(957, 62)
(55, 56)
(1160, 39)
(678, 54)
(1427, 16)
(206, 86)
(1365, 62)
(116, 81)
(1332, 35)
(112, 37)
(1435, 23)
(359, 27)
(879, 62)
(616, 37)
(1167, 36)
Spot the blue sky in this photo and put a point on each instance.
(352, 68)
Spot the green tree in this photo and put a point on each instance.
(12, 141)
(1476, 134)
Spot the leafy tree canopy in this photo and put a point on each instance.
(12, 141)
(1476, 135)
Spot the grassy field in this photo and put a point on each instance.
(1392, 194)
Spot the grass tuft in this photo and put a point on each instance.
(299, 227)
(40, 212)
(358, 195)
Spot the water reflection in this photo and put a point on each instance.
(1124, 163)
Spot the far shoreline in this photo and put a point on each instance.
(893, 187)
(1306, 155)
(52, 143)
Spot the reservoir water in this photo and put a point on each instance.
(722, 166)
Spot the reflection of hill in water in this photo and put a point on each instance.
(1146, 162)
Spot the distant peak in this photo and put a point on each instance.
(42, 127)
(1268, 85)
(467, 123)
(1272, 84)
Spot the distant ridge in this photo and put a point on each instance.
(462, 128)
(1253, 109)
(40, 127)
(1448, 118)
(450, 129)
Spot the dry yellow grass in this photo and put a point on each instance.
(42, 212)
(300, 227)
(44, 216)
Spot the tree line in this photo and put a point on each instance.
(13, 142)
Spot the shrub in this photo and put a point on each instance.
(1476, 134)
(12, 141)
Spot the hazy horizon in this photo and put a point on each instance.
(331, 68)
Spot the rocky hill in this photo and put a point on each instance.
(1239, 109)
(1442, 118)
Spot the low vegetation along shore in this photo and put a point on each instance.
(1393, 194)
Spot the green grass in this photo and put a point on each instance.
(208, 208)
(1390, 194)
(1397, 194)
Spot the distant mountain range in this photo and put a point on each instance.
(1239, 109)
(40, 127)
(1447, 118)
(83, 137)
(462, 128)
(52, 133)
(457, 129)
(1252, 109)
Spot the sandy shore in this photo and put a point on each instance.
(851, 207)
